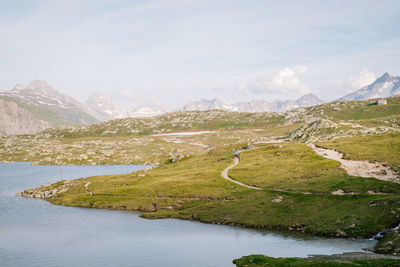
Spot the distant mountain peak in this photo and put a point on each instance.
(103, 108)
(254, 105)
(19, 87)
(96, 97)
(385, 86)
(385, 77)
(42, 87)
(145, 112)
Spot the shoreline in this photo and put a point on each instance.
(147, 211)
(367, 253)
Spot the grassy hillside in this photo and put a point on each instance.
(353, 110)
(336, 120)
(261, 260)
(295, 167)
(362, 110)
(192, 188)
(146, 149)
(171, 122)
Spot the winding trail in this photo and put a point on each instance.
(225, 175)
(353, 167)
(362, 168)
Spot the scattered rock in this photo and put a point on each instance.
(151, 207)
(340, 233)
(277, 200)
(338, 192)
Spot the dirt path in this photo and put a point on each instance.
(225, 175)
(360, 168)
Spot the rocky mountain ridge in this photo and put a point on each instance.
(254, 105)
(40, 102)
(104, 109)
(39, 95)
(385, 86)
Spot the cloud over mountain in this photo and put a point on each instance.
(351, 83)
(284, 81)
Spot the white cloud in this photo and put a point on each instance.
(340, 87)
(365, 77)
(285, 81)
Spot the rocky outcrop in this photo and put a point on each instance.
(15, 120)
(324, 129)
(48, 190)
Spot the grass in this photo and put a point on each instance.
(389, 244)
(171, 122)
(143, 149)
(193, 189)
(359, 110)
(261, 260)
(295, 167)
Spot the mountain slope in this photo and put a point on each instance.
(16, 120)
(104, 109)
(308, 100)
(385, 86)
(48, 102)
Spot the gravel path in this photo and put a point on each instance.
(362, 168)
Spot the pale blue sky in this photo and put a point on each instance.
(170, 52)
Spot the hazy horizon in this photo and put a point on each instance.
(167, 53)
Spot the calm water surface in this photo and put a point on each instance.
(34, 232)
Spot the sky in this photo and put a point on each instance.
(165, 53)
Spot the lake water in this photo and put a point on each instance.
(34, 232)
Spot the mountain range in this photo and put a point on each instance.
(31, 108)
(254, 105)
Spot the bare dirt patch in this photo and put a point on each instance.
(360, 168)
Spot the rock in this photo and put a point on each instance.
(151, 207)
(16, 120)
(338, 192)
(277, 200)
(340, 233)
